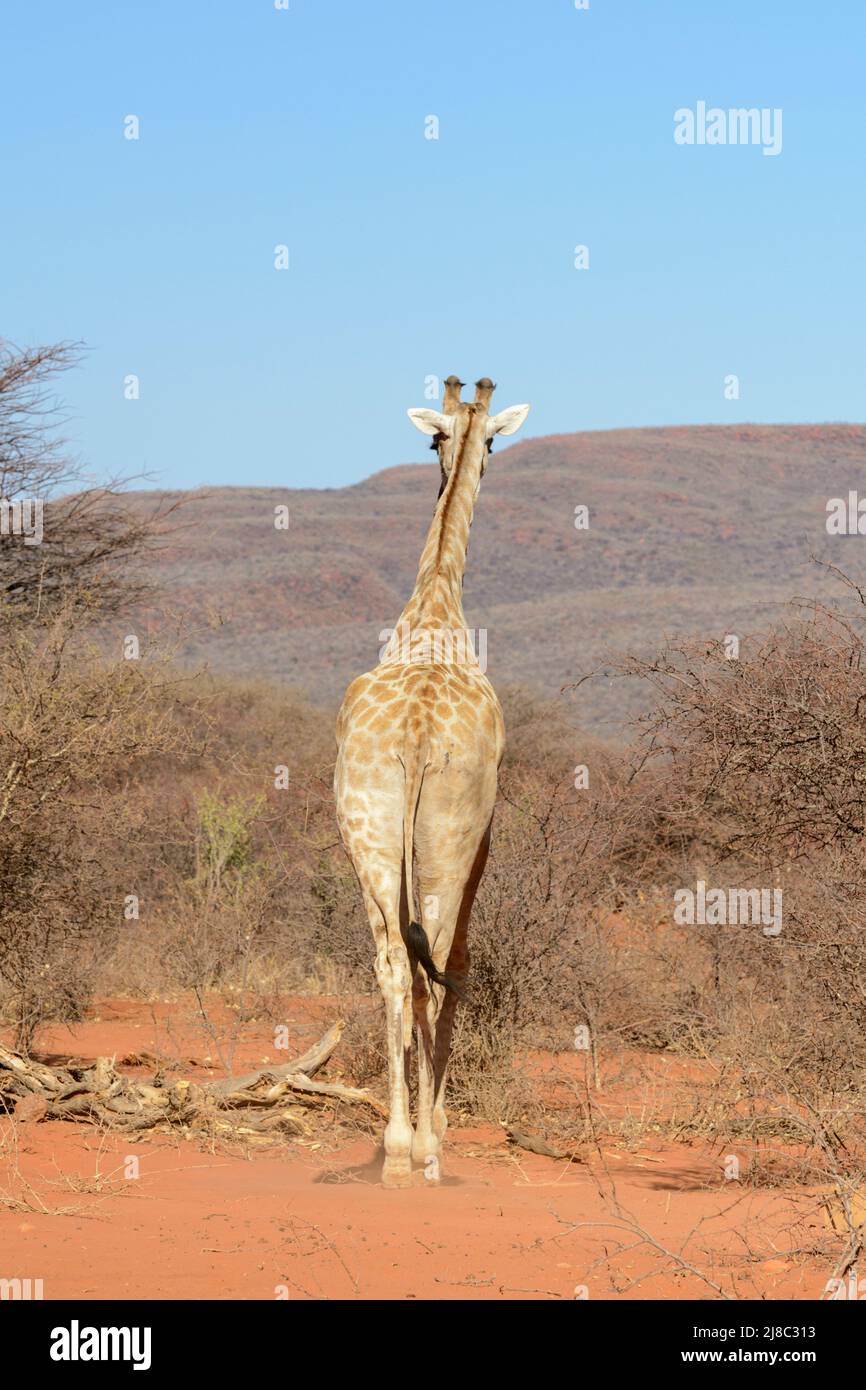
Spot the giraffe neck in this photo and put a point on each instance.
(432, 626)
(438, 591)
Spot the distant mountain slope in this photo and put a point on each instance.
(705, 529)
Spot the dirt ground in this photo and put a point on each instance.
(161, 1217)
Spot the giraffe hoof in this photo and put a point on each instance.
(396, 1172)
(425, 1153)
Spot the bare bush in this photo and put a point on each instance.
(73, 731)
(87, 561)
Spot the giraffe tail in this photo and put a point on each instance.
(418, 947)
(414, 935)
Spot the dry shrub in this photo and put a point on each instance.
(74, 730)
(88, 560)
(760, 768)
(544, 962)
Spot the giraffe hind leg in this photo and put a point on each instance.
(394, 977)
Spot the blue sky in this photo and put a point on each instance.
(412, 257)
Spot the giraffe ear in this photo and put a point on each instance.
(431, 421)
(508, 421)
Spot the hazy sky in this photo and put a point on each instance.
(412, 257)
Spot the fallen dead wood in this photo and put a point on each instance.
(272, 1099)
(305, 1085)
(311, 1062)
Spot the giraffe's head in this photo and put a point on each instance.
(465, 431)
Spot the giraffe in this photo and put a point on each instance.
(419, 743)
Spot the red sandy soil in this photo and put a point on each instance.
(312, 1221)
